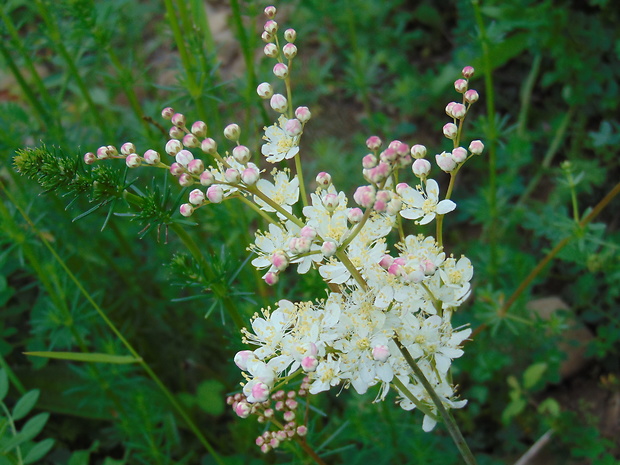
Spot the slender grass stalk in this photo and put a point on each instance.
(169, 396)
(7, 414)
(526, 95)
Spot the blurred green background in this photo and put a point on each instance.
(77, 74)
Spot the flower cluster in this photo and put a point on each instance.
(386, 319)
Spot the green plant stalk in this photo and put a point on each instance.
(451, 425)
(20, 460)
(526, 95)
(419, 405)
(56, 38)
(492, 135)
(173, 401)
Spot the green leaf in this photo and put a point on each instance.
(4, 384)
(89, 357)
(25, 404)
(513, 409)
(551, 406)
(29, 431)
(210, 397)
(39, 451)
(533, 374)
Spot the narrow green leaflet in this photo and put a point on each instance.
(39, 451)
(29, 431)
(4, 384)
(89, 357)
(25, 404)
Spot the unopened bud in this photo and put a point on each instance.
(329, 248)
(468, 72)
(209, 146)
(445, 161)
(264, 90)
(133, 160)
(471, 96)
(270, 12)
(303, 114)
(183, 157)
(373, 143)
(355, 215)
(290, 35)
(187, 209)
(476, 147)
(381, 353)
(215, 194)
(196, 166)
(90, 158)
(250, 175)
(369, 161)
(232, 175)
(232, 132)
(173, 147)
(266, 37)
(323, 179)
(176, 169)
(242, 154)
(459, 154)
(152, 157)
(199, 129)
(176, 133)
(450, 130)
(128, 148)
(418, 151)
(167, 113)
(206, 178)
(289, 51)
(271, 27)
(271, 278)
(279, 103)
(293, 127)
(280, 70)
(460, 85)
(178, 119)
(186, 180)
(421, 167)
(196, 197)
(190, 140)
(270, 50)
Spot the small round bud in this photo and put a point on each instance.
(167, 113)
(186, 180)
(178, 119)
(215, 194)
(418, 151)
(373, 143)
(378, 173)
(279, 103)
(206, 178)
(242, 358)
(421, 167)
(176, 133)
(112, 152)
(290, 35)
(190, 140)
(243, 409)
(250, 175)
(303, 114)
(103, 153)
(445, 161)
(152, 157)
(460, 85)
(476, 147)
(279, 260)
(232, 175)
(271, 278)
(270, 50)
(388, 155)
(386, 261)
(242, 154)
(176, 169)
(173, 147)
(365, 196)
(271, 27)
(331, 202)
(264, 90)
(468, 72)
(381, 353)
(471, 96)
(199, 129)
(128, 148)
(288, 415)
(266, 37)
(183, 157)
(232, 132)
(187, 209)
(260, 392)
(90, 158)
(459, 154)
(196, 166)
(369, 161)
(459, 111)
(196, 197)
(308, 232)
(355, 215)
(133, 160)
(450, 130)
(280, 70)
(289, 51)
(428, 267)
(323, 179)
(293, 127)
(209, 146)
(302, 430)
(270, 12)
(329, 248)
(401, 187)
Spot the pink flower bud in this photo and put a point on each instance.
(265, 448)
(396, 269)
(323, 179)
(291, 403)
(303, 114)
(112, 152)
(90, 158)
(196, 197)
(196, 166)
(355, 215)
(270, 50)
(270, 12)
(271, 278)
(445, 161)
(260, 392)
(260, 441)
(449, 108)
(206, 178)
(421, 167)
(128, 148)
(418, 151)
(290, 35)
(471, 96)
(187, 209)
(476, 147)
(173, 147)
(152, 157)
(373, 143)
(293, 127)
(250, 175)
(215, 194)
(209, 146)
(133, 160)
(242, 358)
(388, 155)
(243, 409)
(302, 430)
(329, 248)
(232, 175)
(308, 232)
(242, 154)
(381, 353)
(264, 90)
(378, 173)
(190, 140)
(178, 119)
(468, 72)
(275, 443)
(386, 261)
(459, 111)
(428, 267)
(400, 187)
(279, 103)
(299, 245)
(369, 161)
(289, 51)
(279, 260)
(460, 85)
(450, 130)
(379, 206)
(271, 27)
(232, 132)
(103, 153)
(183, 157)
(280, 70)
(199, 129)
(309, 364)
(176, 133)
(459, 155)
(364, 196)
(186, 180)
(331, 202)
(176, 169)
(288, 415)
(266, 37)
(167, 113)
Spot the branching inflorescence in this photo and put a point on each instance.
(386, 319)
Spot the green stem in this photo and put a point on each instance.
(409, 395)
(20, 460)
(451, 425)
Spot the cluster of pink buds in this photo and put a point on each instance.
(128, 152)
(280, 410)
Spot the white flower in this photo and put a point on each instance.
(425, 206)
(282, 191)
(279, 144)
